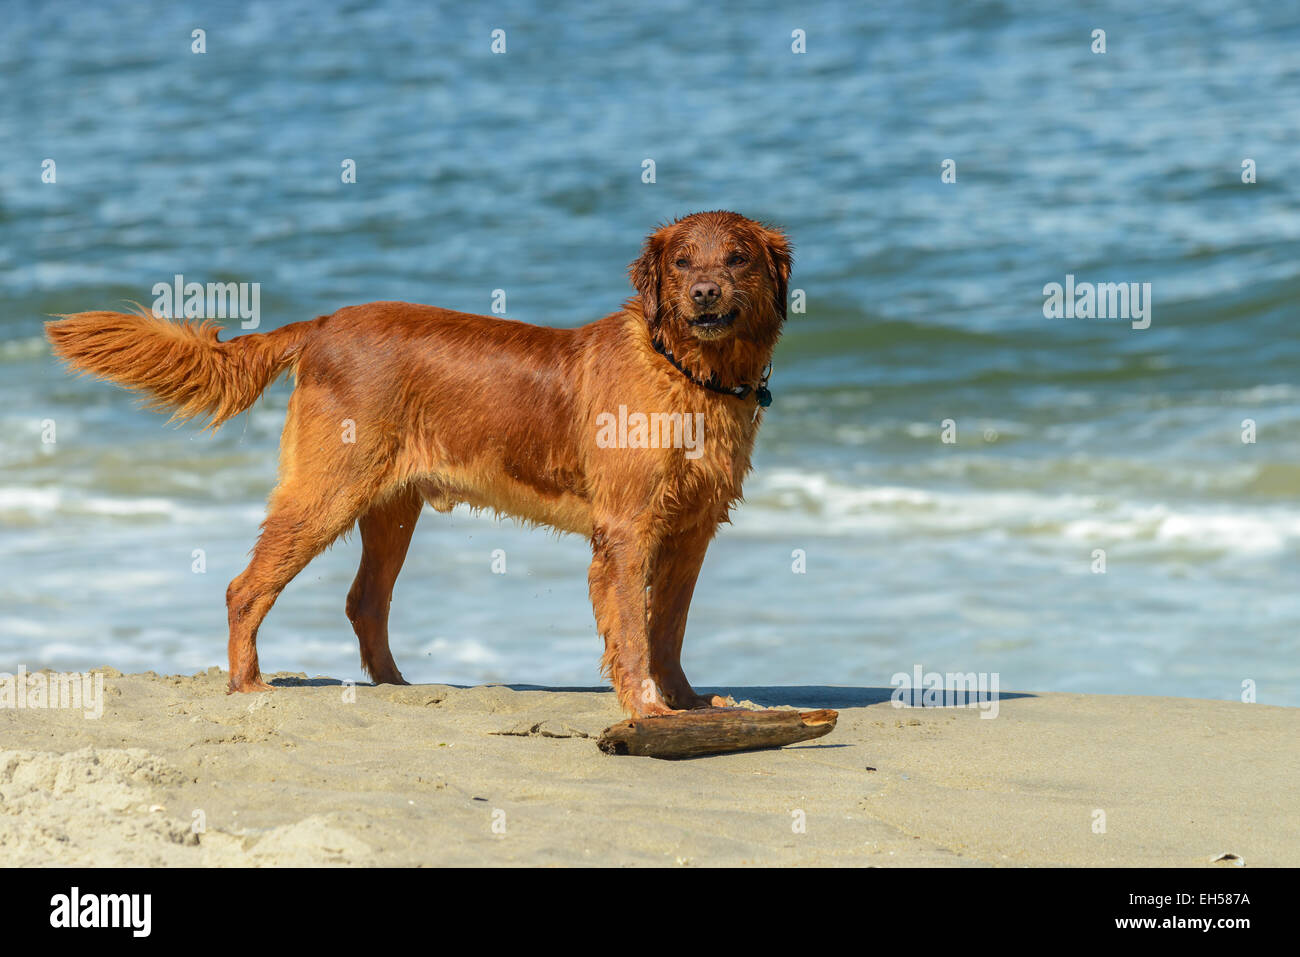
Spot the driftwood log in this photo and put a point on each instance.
(692, 734)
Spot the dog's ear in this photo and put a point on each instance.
(779, 261)
(647, 274)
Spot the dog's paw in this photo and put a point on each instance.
(694, 702)
(655, 710)
(248, 686)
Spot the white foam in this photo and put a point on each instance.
(813, 503)
(43, 503)
(1264, 393)
(29, 348)
(39, 501)
(463, 651)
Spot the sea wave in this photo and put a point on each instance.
(789, 501)
(27, 506)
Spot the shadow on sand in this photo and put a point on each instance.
(800, 696)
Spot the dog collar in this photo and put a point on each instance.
(760, 390)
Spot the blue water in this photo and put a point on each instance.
(522, 172)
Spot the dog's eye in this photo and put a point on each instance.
(736, 259)
(682, 263)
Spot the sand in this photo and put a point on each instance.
(175, 772)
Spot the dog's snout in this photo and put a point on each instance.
(705, 293)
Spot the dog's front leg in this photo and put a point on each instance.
(618, 578)
(675, 567)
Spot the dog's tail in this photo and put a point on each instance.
(177, 365)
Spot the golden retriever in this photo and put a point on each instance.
(634, 431)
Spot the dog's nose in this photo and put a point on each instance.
(705, 293)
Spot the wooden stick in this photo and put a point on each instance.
(713, 731)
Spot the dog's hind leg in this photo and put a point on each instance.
(327, 479)
(385, 535)
(295, 532)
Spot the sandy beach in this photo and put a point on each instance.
(175, 772)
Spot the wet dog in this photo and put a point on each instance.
(634, 431)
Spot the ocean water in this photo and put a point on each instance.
(522, 171)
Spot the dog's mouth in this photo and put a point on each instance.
(714, 320)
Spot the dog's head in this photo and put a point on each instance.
(710, 277)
